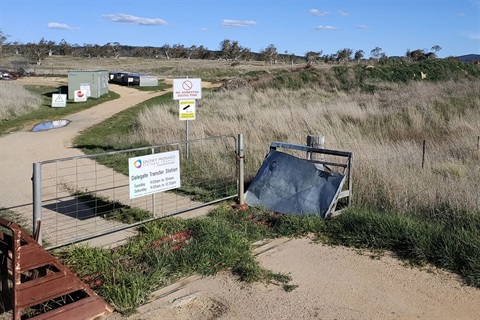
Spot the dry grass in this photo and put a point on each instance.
(385, 130)
(16, 100)
(209, 70)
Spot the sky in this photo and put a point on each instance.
(293, 27)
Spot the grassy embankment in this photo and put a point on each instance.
(427, 215)
(383, 120)
(223, 241)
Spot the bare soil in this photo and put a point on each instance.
(333, 282)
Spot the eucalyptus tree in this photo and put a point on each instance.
(39, 51)
(3, 39)
(269, 54)
(225, 49)
(112, 49)
(416, 55)
(359, 54)
(166, 49)
(313, 56)
(203, 53)
(344, 55)
(377, 53)
(64, 48)
(290, 57)
(232, 50)
(179, 51)
(191, 51)
(92, 50)
(436, 48)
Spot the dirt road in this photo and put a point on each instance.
(20, 149)
(333, 282)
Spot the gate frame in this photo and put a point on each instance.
(347, 170)
(37, 184)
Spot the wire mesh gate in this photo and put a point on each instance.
(85, 197)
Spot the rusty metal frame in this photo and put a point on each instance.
(37, 277)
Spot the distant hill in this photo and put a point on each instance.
(470, 58)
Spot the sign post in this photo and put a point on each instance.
(186, 91)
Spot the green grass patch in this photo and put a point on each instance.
(223, 240)
(103, 137)
(448, 241)
(349, 78)
(403, 71)
(46, 112)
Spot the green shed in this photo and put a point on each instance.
(96, 81)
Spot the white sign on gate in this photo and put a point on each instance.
(154, 173)
(184, 89)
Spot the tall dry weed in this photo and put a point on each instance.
(385, 131)
(16, 100)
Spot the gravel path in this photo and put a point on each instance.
(19, 150)
(333, 283)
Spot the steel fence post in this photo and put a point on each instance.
(153, 196)
(240, 160)
(37, 199)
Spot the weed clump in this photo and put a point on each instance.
(223, 241)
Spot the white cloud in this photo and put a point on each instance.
(320, 13)
(362, 26)
(61, 26)
(328, 28)
(473, 35)
(237, 23)
(126, 18)
(343, 13)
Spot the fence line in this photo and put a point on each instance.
(85, 197)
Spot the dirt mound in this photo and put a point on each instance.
(234, 84)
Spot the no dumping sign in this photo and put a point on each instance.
(184, 89)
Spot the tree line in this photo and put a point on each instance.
(228, 50)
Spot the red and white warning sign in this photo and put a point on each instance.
(185, 89)
(79, 96)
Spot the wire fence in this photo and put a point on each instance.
(81, 198)
(430, 176)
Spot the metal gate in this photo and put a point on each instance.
(85, 197)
